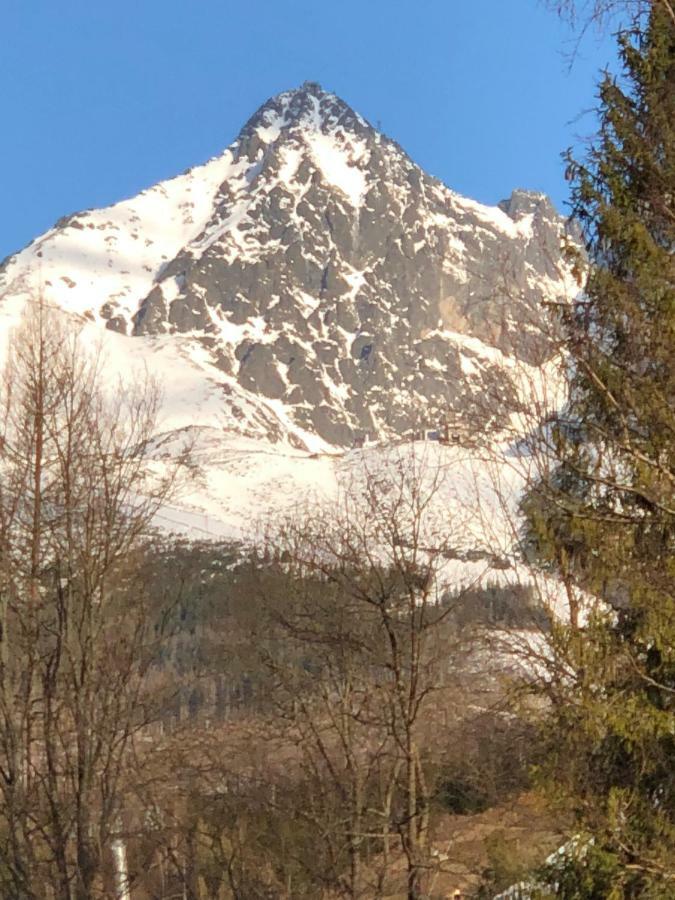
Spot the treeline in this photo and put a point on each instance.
(341, 703)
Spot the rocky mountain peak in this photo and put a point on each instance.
(334, 290)
(523, 203)
(308, 106)
(311, 132)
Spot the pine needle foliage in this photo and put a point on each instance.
(606, 518)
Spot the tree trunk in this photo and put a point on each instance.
(121, 869)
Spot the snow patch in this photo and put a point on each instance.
(337, 167)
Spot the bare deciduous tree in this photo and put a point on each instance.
(79, 631)
(367, 606)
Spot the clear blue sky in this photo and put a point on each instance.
(101, 98)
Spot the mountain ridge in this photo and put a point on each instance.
(330, 287)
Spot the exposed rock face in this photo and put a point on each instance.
(330, 277)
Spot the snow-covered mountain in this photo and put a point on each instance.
(308, 288)
(334, 288)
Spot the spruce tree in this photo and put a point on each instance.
(606, 518)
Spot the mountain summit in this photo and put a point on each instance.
(325, 286)
(308, 105)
